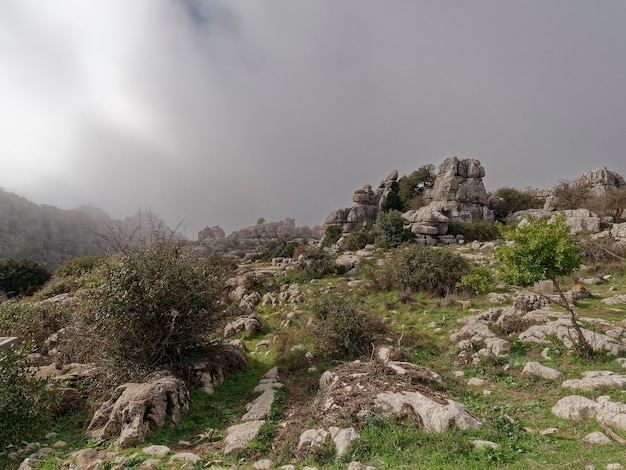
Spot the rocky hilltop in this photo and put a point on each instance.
(459, 195)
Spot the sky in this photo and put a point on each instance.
(211, 112)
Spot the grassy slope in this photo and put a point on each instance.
(515, 402)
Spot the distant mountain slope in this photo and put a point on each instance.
(52, 236)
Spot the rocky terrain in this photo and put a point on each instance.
(473, 379)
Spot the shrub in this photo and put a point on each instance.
(358, 239)
(342, 331)
(278, 249)
(413, 186)
(572, 195)
(26, 403)
(78, 266)
(22, 277)
(478, 280)
(480, 230)
(331, 235)
(424, 268)
(393, 199)
(155, 306)
(32, 321)
(610, 204)
(506, 201)
(390, 228)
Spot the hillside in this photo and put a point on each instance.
(53, 236)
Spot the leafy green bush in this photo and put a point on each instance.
(155, 305)
(390, 228)
(278, 249)
(341, 330)
(32, 321)
(478, 280)
(21, 277)
(26, 403)
(358, 239)
(480, 230)
(506, 201)
(78, 266)
(331, 235)
(424, 268)
(413, 186)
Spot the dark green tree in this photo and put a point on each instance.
(21, 277)
(393, 200)
(414, 185)
(390, 228)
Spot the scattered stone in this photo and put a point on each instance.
(156, 450)
(359, 466)
(476, 382)
(593, 380)
(614, 466)
(263, 464)
(240, 434)
(575, 407)
(185, 458)
(312, 438)
(597, 438)
(342, 438)
(247, 323)
(537, 370)
(480, 444)
(150, 464)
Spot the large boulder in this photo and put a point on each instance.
(135, 409)
(458, 195)
(601, 180)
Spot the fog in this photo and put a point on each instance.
(221, 112)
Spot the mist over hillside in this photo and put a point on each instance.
(52, 236)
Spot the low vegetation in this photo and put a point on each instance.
(161, 305)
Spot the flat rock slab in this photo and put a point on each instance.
(602, 409)
(434, 416)
(260, 407)
(537, 370)
(596, 379)
(240, 434)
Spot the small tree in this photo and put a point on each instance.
(391, 231)
(539, 250)
(414, 185)
(22, 276)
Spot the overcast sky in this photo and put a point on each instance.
(220, 112)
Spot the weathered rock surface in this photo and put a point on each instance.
(248, 323)
(601, 180)
(537, 370)
(135, 408)
(578, 220)
(603, 410)
(239, 435)
(594, 380)
(434, 416)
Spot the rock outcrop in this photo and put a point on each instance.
(458, 195)
(367, 206)
(135, 408)
(601, 180)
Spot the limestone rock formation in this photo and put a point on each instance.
(458, 195)
(601, 180)
(134, 408)
(578, 220)
(368, 203)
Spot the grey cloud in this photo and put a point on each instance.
(220, 112)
